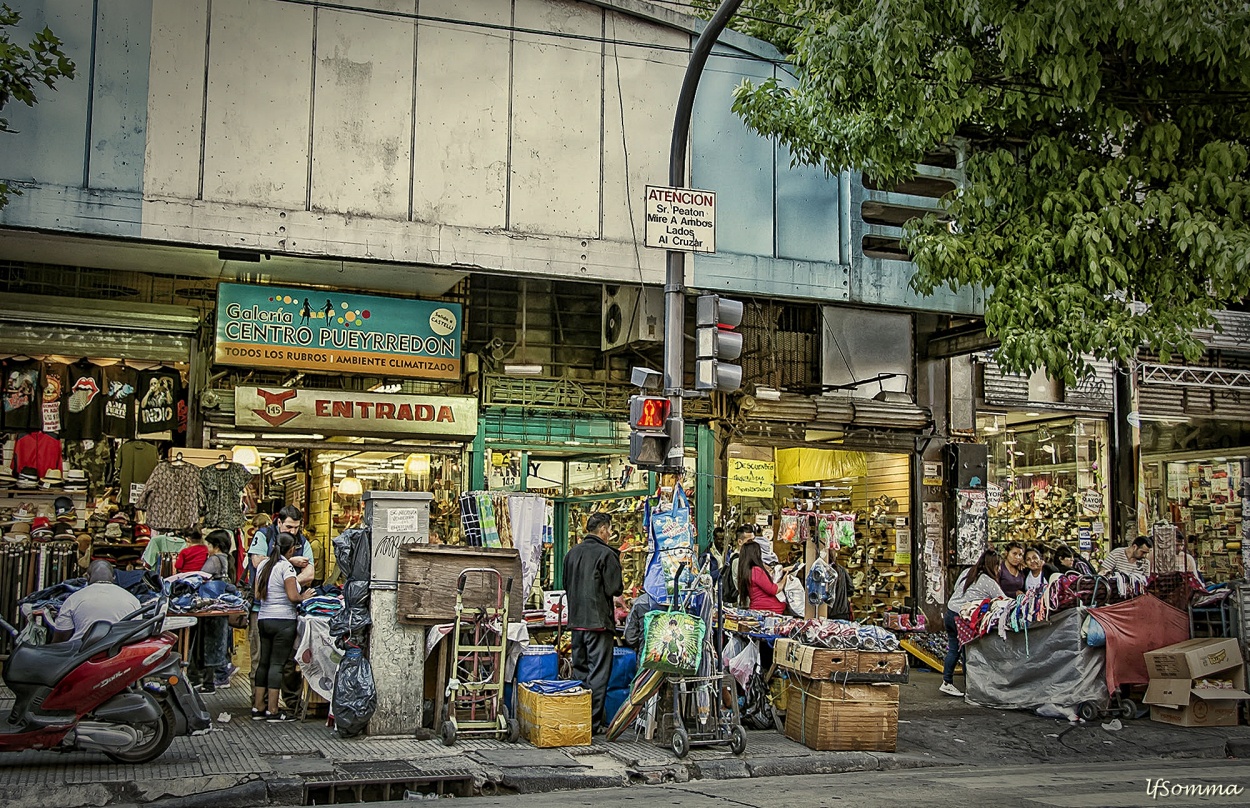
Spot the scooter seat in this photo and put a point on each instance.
(49, 664)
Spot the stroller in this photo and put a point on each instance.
(475, 705)
(705, 706)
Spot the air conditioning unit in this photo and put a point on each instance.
(631, 314)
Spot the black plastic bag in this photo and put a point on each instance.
(355, 695)
(352, 551)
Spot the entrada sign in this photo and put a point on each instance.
(340, 413)
(332, 332)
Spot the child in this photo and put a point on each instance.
(192, 557)
(216, 667)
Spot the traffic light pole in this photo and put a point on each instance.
(675, 278)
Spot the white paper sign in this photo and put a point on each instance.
(403, 520)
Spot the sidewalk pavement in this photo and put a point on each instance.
(246, 763)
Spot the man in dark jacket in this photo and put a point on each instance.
(592, 578)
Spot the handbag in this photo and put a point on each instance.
(672, 639)
(672, 642)
(672, 549)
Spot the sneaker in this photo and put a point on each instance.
(280, 716)
(259, 715)
(207, 687)
(222, 684)
(950, 690)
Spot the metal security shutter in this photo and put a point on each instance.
(38, 325)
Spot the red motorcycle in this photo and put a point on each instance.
(119, 689)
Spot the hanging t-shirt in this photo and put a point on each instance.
(82, 417)
(158, 394)
(223, 494)
(136, 458)
(120, 386)
(21, 397)
(52, 396)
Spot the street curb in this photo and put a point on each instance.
(541, 779)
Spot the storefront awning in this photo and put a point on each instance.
(836, 412)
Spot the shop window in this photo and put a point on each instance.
(1047, 481)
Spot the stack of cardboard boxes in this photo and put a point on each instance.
(842, 700)
(1196, 683)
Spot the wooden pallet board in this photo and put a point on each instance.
(925, 657)
(428, 576)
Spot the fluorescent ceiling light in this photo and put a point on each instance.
(523, 370)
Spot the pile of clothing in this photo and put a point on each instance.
(143, 584)
(326, 603)
(198, 592)
(844, 635)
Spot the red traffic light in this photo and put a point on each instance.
(649, 412)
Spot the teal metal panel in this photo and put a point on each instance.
(50, 143)
(729, 158)
(531, 429)
(705, 485)
(119, 109)
(772, 277)
(882, 282)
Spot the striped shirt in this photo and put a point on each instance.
(1118, 561)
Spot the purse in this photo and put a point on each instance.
(672, 642)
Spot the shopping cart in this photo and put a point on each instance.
(705, 707)
(474, 705)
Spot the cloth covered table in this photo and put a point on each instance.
(1133, 628)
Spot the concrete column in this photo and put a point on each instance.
(396, 651)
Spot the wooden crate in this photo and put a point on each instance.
(816, 663)
(892, 662)
(428, 575)
(828, 716)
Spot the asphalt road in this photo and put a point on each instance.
(1065, 786)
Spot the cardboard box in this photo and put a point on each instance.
(554, 719)
(894, 662)
(815, 718)
(1191, 703)
(815, 663)
(1193, 659)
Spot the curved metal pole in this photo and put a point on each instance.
(675, 278)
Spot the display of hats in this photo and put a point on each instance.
(19, 531)
(113, 530)
(63, 509)
(41, 530)
(75, 480)
(52, 478)
(6, 476)
(24, 512)
(143, 532)
(63, 532)
(119, 518)
(28, 477)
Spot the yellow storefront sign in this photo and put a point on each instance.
(750, 478)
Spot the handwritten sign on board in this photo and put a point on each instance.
(751, 478)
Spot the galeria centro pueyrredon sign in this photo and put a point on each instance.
(308, 329)
(339, 413)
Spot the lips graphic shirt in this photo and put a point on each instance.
(83, 413)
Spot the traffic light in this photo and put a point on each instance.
(717, 344)
(649, 439)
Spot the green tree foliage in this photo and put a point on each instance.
(1106, 188)
(23, 67)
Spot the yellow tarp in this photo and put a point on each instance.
(805, 465)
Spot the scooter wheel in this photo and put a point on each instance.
(738, 740)
(1088, 711)
(1128, 709)
(158, 734)
(514, 730)
(448, 734)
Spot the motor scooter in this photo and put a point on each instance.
(119, 689)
